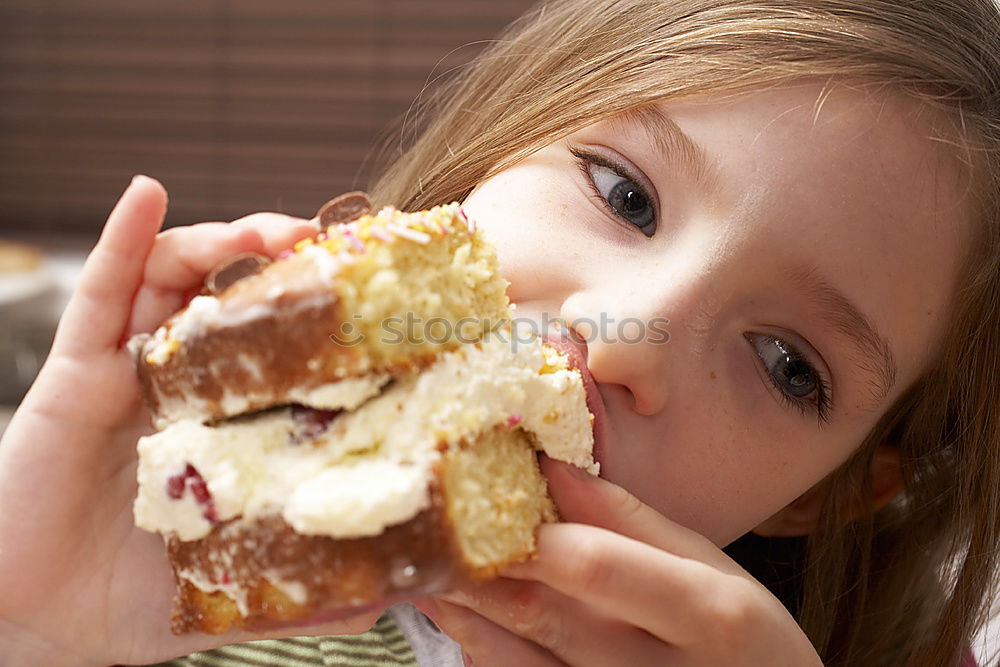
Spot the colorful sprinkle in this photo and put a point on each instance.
(513, 421)
(354, 241)
(407, 233)
(285, 254)
(382, 234)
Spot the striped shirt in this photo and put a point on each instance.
(402, 637)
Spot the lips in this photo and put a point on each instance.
(575, 349)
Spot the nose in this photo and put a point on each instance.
(634, 337)
(618, 348)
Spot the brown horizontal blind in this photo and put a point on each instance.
(236, 105)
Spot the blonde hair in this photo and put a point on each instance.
(911, 583)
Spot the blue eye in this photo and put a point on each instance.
(620, 192)
(795, 378)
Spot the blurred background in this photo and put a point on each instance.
(235, 105)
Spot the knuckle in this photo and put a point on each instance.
(628, 506)
(539, 622)
(734, 610)
(591, 567)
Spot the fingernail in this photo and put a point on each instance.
(467, 659)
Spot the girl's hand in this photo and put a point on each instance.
(620, 585)
(79, 583)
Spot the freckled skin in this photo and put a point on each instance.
(694, 428)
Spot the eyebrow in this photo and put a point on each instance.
(838, 311)
(672, 142)
(845, 318)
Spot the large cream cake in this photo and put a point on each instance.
(311, 462)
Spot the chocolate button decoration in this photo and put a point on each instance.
(235, 269)
(344, 208)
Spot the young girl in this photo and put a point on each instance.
(809, 191)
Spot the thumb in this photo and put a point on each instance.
(98, 312)
(588, 499)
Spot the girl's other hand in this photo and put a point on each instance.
(619, 584)
(81, 584)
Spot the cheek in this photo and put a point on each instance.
(520, 201)
(526, 212)
(721, 458)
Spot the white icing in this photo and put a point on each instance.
(159, 354)
(200, 311)
(295, 590)
(233, 590)
(327, 265)
(234, 404)
(348, 393)
(157, 344)
(205, 312)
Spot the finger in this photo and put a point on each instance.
(573, 632)
(278, 232)
(97, 314)
(181, 258)
(178, 263)
(485, 642)
(668, 595)
(591, 500)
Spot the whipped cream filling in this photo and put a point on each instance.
(371, 468)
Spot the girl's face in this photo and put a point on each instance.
(756, 280)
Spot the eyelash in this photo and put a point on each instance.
(823, 405)
(586, 158)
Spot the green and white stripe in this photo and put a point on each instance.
(384, 644)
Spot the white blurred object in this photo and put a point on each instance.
(32, 297)
(21, 289)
